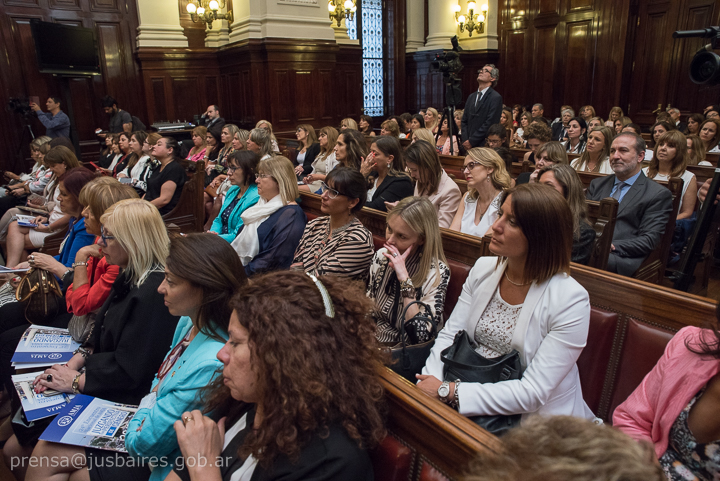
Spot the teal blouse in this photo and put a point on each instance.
(235, 222)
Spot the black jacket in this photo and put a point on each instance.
(133, 332)
(393, 188)
(310, 154)
(476, 120)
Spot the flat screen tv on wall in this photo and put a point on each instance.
(65, 49)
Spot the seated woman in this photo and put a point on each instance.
(337, 243)
(59, 160)
(423, 134)
(199, 146)
(272, 228)
(616, 113)
(214, 195)
(595, 122)
(267, 127)
(260, 142)
(239, 141)
(458, 120)
(693, 124)
(487, 178)
(348, 124)
(596, 157)
(137, 168)
(565, 180)
(166, 182)
(576, 129)
(324, 162)
(390, 128)
(242, 195)
(696, 151)
(212, 149)
(365, 126)
(513, 302)
(308, 149)
(108, 153)
(670, 160)
(201, 275)
(35, 146)
(536, 134)
(443, 143)
(657, 131)
(350, 149)
(710, 134)
(677, 412)
(519, 139)
(255, 402)
(217, 168)
(417, 122)
(431, 120)
(432, 181)
(506, 120)
(411, 267)
(124, 147)
(587, 112)
(385, 170)
(547, 154)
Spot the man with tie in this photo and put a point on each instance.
(482, 109)
(644, 209)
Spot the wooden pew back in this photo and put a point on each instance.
(189, 213)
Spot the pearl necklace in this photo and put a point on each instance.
(515, 283)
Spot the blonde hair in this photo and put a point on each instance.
(263, 139)
(489, 159)
(435, 119)
(281, 170)
(420, 215)
(139, 229)
(351, 124)
(608, 134)
(242, 135)
(232, 130)
(270, 131)
(697, 150)
(424, 134)
(555, 151)
(332, 135)
(311, 135)
(99, 194)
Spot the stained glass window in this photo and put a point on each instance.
(372, 44)
(352, 27)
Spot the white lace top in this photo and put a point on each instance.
(495, 329)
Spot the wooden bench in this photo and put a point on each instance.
(189, 213)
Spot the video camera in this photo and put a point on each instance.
(20, 105)
(448, 63)
(705, 65)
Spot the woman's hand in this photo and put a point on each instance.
(367, 164)
(93, 250)
(534, 175)
(44, 261)
(62, 379)
(390, 205)
(299, 170)
(43, 228)
(397, 260)
(120, 175)
(11, 176)
(200, 436)
(41, 219)
(429, 385)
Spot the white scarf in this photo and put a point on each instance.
(247, 244)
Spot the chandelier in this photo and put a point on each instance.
(471, 21)
(207, 11)
(339, 10)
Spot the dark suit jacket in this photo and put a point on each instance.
(393, 188)
(558, 131)
(477, 121)
(641, 220)
(216, 124)
(310, 155)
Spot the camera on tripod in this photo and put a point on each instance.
(20, 105)
(705, 65)
(448, 63)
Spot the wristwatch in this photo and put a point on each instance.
(407, 289)
(76, 384)
(444, 391)
(79, 264)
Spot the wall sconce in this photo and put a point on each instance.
(471, 21)
(339, 10)
(207, 11)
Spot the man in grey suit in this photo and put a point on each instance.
(644, 209)
(482, 109)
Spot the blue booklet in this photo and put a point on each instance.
(91, 422)
(38, 406)
(44, 345)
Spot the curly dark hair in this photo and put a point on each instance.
(312, 370)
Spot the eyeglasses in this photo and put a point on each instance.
(104, 238)
(470, 166)
(231, 170)
(332, 193)
(263, 176)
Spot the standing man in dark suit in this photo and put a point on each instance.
(644, 209)
(482, 109)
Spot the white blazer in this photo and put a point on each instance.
(550, 334)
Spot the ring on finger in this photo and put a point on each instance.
(49, 378)
(185, 419)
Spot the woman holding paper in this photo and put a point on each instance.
(133, 329)
(199, 291)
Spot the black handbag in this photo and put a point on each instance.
(408, 360)
(462, 362)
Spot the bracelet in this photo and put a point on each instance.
(79, 264)
(82, 351)
(455, 403)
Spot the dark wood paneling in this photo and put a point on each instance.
(306, 91)
(64, 4)
(157, 92)
(105, 6)
(578, 62)
(185, 98)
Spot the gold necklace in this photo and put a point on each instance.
(515, 283)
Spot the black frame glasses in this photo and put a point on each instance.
(333, 193)
(104, 238)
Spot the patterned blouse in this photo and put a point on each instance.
(495, 329)
(384, 289)
(347, 252)
(685, 458)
